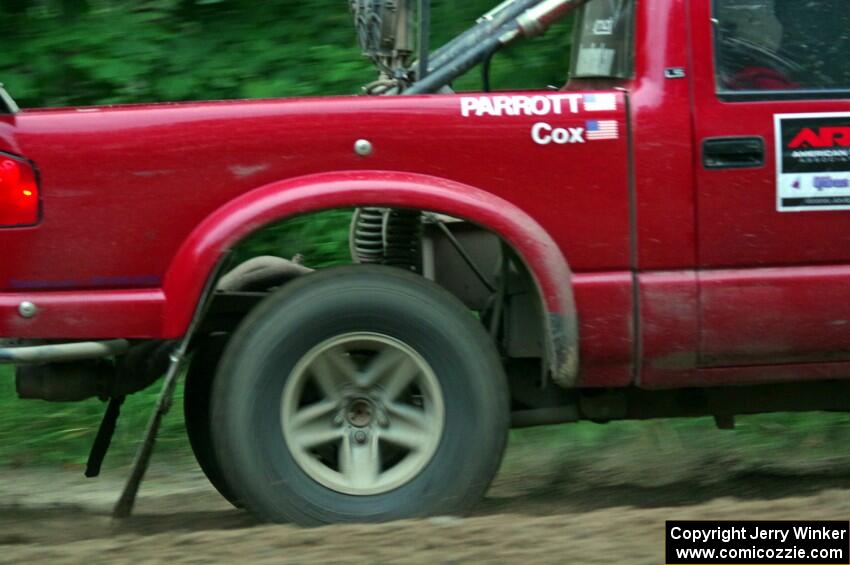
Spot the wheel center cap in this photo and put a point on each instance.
(360, 413)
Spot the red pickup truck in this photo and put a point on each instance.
(666, 235)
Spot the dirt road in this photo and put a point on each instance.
(537, 512)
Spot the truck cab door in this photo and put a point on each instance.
(772, 126)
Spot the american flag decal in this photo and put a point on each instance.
(600, 102)
(602, 129)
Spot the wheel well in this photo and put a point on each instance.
(220, 231)
(473, 263)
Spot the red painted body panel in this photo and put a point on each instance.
(739, 224)
(669, 306)
(606, 323)
(681, 276)
(746, 315)
(163, 169)
(151, 195)
(662, 140)
(86, 314)
(754, 374)
(792, 311)
(230, 223)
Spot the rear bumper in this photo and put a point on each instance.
(85, 314)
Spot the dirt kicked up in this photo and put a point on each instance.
(538, 511)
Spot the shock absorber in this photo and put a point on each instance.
(386, 236)
(403, 239)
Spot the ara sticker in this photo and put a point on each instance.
(813, 162)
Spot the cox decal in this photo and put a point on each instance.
(544, 134)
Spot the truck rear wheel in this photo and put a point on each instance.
(359, 394)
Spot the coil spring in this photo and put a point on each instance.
(387, 237)
(367, 236)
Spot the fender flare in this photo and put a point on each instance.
(207, 244)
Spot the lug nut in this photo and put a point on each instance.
(360, 436)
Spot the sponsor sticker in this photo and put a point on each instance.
(537, 105)
(599, 102)
(602, 129)
(813, 162)
(603, 27)
(543, 105)
(501, 106)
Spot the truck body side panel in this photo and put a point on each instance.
(124, 187)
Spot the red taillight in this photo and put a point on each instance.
(18, 193)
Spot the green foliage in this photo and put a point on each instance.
(86, 52)
(80, 52)
(321, 238)
(33, 432)
(136, 51)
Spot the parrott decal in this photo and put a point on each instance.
(537, 105)
(812, 162)
(559, 104)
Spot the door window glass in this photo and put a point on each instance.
(782, 45)
(604, 40)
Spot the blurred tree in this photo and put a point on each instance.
(79, 52)
(72, 9)
(82, 52)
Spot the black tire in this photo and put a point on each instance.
(259, 359)
(196, 410)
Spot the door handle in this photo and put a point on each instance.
(732, 152)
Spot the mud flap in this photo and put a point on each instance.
(124, 506)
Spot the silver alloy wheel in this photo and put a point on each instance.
(362, 413)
